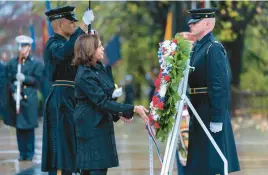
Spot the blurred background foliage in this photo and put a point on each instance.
(241, 27)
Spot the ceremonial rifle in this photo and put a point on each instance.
(18, 90)
(89, 26)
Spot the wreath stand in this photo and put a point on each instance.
(171, 147)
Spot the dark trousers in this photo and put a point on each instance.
(54, 172)
(25, 140)
(179, 166)
(95, 172)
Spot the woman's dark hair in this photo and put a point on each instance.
(84, 49)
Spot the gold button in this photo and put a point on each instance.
(25, 96)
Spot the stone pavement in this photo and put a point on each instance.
(132, 145)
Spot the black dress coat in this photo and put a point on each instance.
(28, 116)
(59, 147)
(94, 115)
(212, 71)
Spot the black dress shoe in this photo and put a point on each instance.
(85, 172)
(21, 158)
(28, 158)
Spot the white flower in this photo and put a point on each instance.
(166, 43)
(165, 65)
(173, 47)
(155, 116)
(163, 90)
(165, 71)
(167, 52)
(151, 105)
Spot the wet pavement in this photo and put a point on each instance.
(132, 143)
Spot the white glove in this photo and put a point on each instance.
(16, 83)
(215, 127)
(88, 17)
(14, 96)
(117, 92)
(20, 77)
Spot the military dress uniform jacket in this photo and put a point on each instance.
(59, 146)
(212, 71)
(94, 115)
(28, 116)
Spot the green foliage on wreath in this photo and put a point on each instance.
(166, 119)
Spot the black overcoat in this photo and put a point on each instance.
(59, 147)
(94, 115)
(212, 71)
(28, 116)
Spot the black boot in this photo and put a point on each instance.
(85, 172)
(28, 158)
(21, 158)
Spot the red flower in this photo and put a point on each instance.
(166, 78)
(155, 100)
(156, 125)
(160, 74)
(175, 41)
(164, 50)
(151, 117)
(157, 82)
(160, 105)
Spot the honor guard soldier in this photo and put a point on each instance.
(23, 84)
(210, 95)
(59, 147)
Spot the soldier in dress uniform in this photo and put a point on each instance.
(59, 147)
(3, 85)
(27, 119)
(210, 95)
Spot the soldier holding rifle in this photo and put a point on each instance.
(24, 74)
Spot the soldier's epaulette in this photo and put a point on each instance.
(217, 42)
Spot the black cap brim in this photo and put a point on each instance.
(192, 21)
(71, 18)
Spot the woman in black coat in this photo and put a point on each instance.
(96, 108)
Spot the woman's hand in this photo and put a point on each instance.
(126, 120)
(141, 110)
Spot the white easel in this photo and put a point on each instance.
(171, 147)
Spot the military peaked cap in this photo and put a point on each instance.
(23, 39)
(62, 12)
(198, 14)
